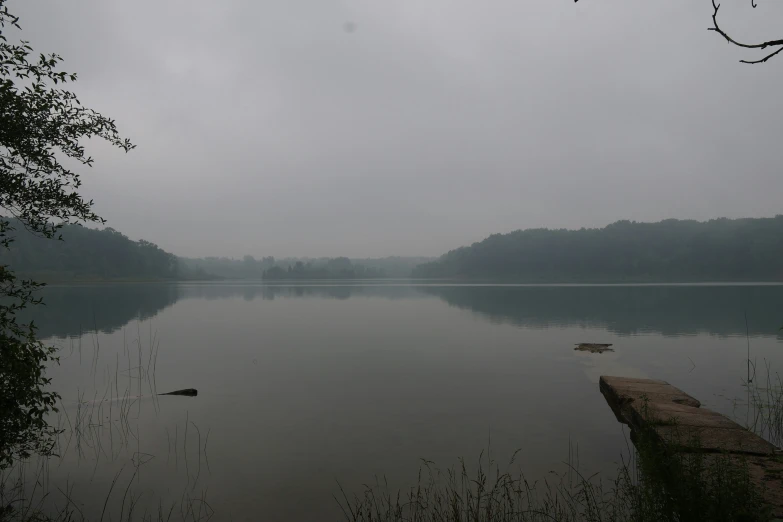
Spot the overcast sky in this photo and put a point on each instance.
(410, 127)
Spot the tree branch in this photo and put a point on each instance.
(770, 43)
(763, 59)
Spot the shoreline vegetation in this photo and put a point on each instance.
(652, 484)
(107, 255)
(625, 251)
(667, 252)
(292, 268)
(60, 279)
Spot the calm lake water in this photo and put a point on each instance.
(304, 386)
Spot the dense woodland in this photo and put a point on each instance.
(88, 254)
(670, 250)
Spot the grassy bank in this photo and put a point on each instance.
(653, 485)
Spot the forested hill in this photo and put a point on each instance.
(88, 254)
(626, 251)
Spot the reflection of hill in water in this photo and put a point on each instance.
(70, 310)
(269, 292)
(669, 310)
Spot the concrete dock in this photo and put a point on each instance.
(677, 420)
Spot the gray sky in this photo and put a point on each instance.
(410, 127)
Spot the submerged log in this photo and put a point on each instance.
(188, 392)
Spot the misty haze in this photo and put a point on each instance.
(403, 261)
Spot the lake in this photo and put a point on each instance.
(304, 386)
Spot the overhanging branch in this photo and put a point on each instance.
(764, 45)
(778, 44)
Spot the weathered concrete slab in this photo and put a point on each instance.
(625, 390)
(677, 418)
(767, 473)
(658, 413)
(679, 421)
(714, 440)
(621, 392)
(616, 380)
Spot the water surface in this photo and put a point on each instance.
(304, 386)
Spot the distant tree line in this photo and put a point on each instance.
(625, 251)
(282, 269)
(89, 254)
(302, 268)
(228, 268)
(337, 268)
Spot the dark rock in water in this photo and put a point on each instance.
(188, 392)
(593, 347)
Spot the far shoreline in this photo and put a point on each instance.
(402, 282)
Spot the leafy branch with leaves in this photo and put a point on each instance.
(41, 124)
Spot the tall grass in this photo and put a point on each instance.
(764, 403)
(103, 429)
(18, 502)
(652, 485)
(488, 494)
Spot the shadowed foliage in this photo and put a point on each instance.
(41, 124)
(89, 254)
(625, 251)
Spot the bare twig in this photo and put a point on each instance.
(770, 55)
(770, 43)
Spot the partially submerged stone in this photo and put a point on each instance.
(593, 347)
